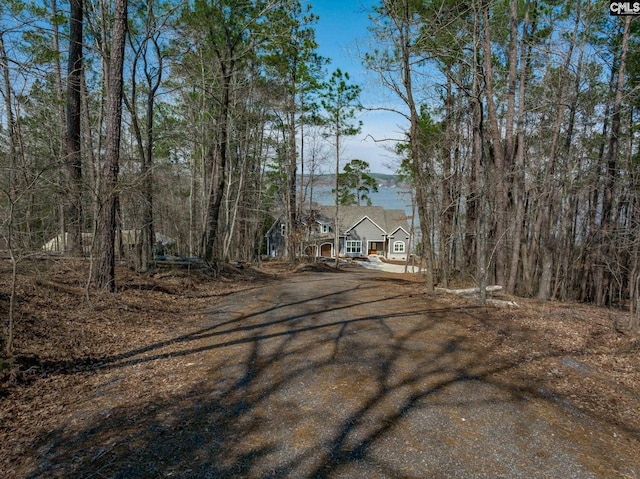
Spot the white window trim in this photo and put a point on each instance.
(398, 247)
(353, 247)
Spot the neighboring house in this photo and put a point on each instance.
(127, 238)
(56, 245)
(364, 230)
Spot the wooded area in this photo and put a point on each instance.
(205, 119)
(523, 141)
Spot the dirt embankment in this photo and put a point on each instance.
(308, 373)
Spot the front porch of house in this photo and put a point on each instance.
(376, 247)
(348, 248)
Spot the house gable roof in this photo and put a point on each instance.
(350, 216)
(365, 217)
(399, 228)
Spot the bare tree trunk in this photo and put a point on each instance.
(193, 232)
(602, 279)
(292, 169)
(147, 171)
(589, 276)
(447, 189)
(153, 78)
(519, 170)
(227, 64)
(565, 279)
(480, 180)
(61, 118)
(336, 219)
(509, 147)
(234, 208)
(104, 271)
(548, 229)
(199, 142)
(73, 152)
(498, 177)
(416, 148)
(8, 342)
(301, 196)
(11, 122)
(634, 288)
(148, 231)
(89, 150)
(12, 304)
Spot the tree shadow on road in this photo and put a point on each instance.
(347, 383)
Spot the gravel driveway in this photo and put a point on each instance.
(340, 375)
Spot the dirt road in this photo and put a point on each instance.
(348, 375)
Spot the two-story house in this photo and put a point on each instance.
(363, 231)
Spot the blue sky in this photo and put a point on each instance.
(340, 33)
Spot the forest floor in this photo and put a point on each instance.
(308, 372)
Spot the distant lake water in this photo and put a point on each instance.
(389, 198)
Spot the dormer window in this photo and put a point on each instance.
(325, 229)
(283, 229)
